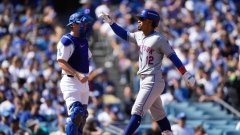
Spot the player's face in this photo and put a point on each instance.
(143, 24)
(140, 23)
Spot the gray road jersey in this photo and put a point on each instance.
(151, 51)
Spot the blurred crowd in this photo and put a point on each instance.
(204, 34)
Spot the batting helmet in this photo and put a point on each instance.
(81, 18)
(151, 15)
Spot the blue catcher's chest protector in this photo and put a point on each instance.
(79, 59)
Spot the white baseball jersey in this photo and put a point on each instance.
(66, 52)
(73, 90)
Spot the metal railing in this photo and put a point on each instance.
(229, 107)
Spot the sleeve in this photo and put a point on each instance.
(64, 50)
(132, 38)
(119, 31)
(123, 33)
(165, 47)
(89, 54)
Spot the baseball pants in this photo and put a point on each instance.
(148, 98)
(73, 90)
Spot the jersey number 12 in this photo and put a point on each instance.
(149, 60)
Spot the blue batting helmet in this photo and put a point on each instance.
(81, 18)
(151, 15)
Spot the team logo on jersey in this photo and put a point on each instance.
(82, 45)
(145, 48)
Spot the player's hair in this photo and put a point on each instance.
(199, 128)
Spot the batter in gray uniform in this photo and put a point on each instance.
(152, 46)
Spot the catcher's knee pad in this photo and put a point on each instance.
(167, 132)
(78, 115)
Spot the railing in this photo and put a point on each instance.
(229, 107)
(113, 130)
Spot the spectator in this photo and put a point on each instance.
(18, 103)
(4, 123)
(2, 95)
(104, 85)
(128, 101)
(3, 26)
(96, 101)
(8, 105)
(5, 69)
(62, 117)
(32, 114)
(232, 85)
(15, 67)
(15, 126)
(154, 130)
(116, 115)
(207, 82)
(196, 94)
(48, 108)
(104, 117)
(168, 97)
(34, 127)
(199, 130)
(180, 128)
(92, 127)
(88, 7)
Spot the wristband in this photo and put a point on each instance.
(182, 70)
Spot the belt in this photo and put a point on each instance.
(68, 75)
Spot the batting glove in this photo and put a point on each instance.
(106, 18)
(189, 79)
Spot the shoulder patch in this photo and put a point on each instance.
(66, 41)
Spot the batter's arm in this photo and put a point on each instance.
(119, 31)
(168, 50)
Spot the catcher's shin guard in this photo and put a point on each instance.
(77, 119)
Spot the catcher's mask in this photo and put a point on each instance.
(83, 20)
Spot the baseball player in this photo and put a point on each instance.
(73, 58)
(151, 46)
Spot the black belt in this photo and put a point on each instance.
(69, 75)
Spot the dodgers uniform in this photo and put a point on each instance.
(74, 51)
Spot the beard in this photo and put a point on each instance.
(139, 28)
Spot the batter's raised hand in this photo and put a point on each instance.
(81, 77)
(107, 18)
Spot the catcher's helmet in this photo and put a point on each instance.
(151, 15)
(81, 18)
